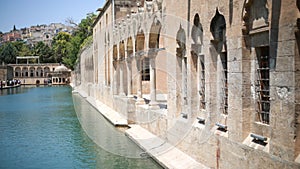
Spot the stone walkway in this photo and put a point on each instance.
(165, 154)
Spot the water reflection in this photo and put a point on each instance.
(39, 129)
(102, 132)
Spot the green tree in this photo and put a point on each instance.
(8, 53)
(24, 51)
(84, 28)
(60, 44)
(66, 47)
(44, 52)
(73, 49)
(83, 31)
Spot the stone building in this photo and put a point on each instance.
(40, 73)
(217, 79)
(6, 73)
(61, 75)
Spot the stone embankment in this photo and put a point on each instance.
(163, 153)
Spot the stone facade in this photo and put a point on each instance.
(44, 73)
(6, 73)
(217, 79)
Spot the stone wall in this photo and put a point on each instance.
(224, 105)
(6, 73)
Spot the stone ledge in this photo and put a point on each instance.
(164, 153)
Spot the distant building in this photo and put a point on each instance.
(40, 73)
(45, 33)
(6, 73)
(35, 34)
(11, 36)
(61, 75)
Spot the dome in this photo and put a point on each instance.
(61, 68)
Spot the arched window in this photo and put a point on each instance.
(181, 42)
(140, 42)
(129, 47)
(218, 31)
(154, 34)
(197, 31)
(122, 50)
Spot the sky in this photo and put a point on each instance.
(26, 13)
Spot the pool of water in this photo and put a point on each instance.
(39, 128)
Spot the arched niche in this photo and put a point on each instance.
(154, 34)
(17, 72)
(32, 71)
(115, 53)
(108, 40)
(129, 47)
(140, 41)
(46, 71)
(25, 72)
(39, 72)
(197, 30)
(121, 50)
(218, 31)
(181, 42)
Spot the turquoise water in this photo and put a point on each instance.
(39, 129)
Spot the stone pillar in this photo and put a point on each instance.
(153, 103)
(129, 76)
(115, 80)
(184, 84)
(140, 99)
(121, 70)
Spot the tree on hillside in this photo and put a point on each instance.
(83, 32)
(60, 44)
(85, 26)
(73, 49)
(8, 53)
(44, 52)
(24, 51)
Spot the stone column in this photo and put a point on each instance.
(184, 84)
(115, 80)
(121, 70)
(129, 76)
(140, 99)
(153, 103)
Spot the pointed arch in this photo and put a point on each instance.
(121, 50)
(197, 30)
(115, 53)
(17, 72)
(129, 47)
(140, 41)
(154, 34)
(218, 31)
(181, 42)
(218, 27)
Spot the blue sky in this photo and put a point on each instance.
(26, 13)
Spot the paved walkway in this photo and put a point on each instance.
(165, 154)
